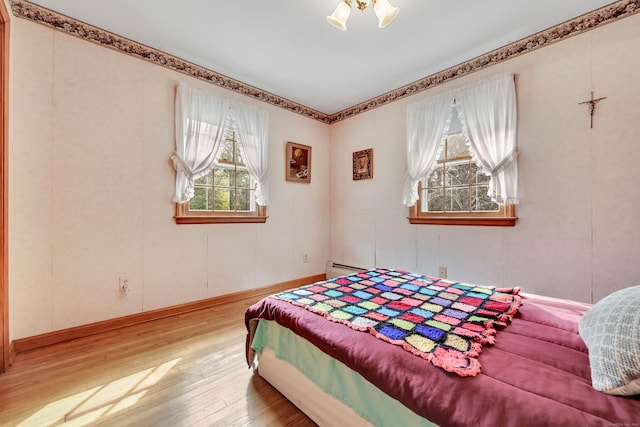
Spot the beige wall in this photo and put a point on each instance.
(578, 235)
(91, 187)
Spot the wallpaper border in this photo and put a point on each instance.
(607, 14)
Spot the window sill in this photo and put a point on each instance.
(495, 221)
(228, 219)
(183, 216)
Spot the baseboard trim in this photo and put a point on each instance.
(43, 340)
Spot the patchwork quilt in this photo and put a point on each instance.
(441, 321)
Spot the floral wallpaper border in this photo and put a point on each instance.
(589, 21)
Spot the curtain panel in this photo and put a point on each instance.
(425, 129)
(487, 110)
(201, 120)
(253, 132)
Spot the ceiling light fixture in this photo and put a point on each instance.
(383, 9)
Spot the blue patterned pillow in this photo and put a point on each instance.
(611, 331)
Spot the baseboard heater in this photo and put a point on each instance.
(335, 269)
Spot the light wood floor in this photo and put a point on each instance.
(188, 370)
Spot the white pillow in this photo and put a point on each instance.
(611, 331)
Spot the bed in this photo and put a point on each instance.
(529, 366)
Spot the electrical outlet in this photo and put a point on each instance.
(123, 285)
(305, 257)
(442, 272)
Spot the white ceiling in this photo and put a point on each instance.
(286, 47)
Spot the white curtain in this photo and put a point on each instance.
(200, 119)
(253, 130)
(426, 122)
(488, 113)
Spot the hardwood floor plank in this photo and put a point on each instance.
(187, 370)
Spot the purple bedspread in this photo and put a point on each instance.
(536, 374)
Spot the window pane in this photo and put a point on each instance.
(223, 177)
(457, 147)
(481, 201)
(479, 177)
(202, 199)
(243, 179)
(223, 199)
(239, 155)
(436, 178)
(458, 174)
(205, 180)
(435, 201)
(457, 200)
(226, 152)
(243, 200)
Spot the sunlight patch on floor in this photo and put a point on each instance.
(108, 399)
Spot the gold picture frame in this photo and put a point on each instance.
(297, 162)
(363, 164)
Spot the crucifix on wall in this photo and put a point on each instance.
(592, 106)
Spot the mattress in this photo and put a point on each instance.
(325, 389)
(536, 373)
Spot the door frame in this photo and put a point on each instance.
(5, 349)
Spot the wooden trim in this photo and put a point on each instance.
(184, 216)
(504, 217)
(5, 349)
(460, 220)
(56, 337)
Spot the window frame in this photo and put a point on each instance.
(505, 216)
(186, 216)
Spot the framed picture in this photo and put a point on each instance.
(298, 162)
(363, 164)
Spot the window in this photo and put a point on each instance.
(456, 191)
(228, 187)
(227, 193)
(457, 184)
(446, 135)
(221, 159)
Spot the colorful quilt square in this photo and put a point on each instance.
(446, 319)
(402, 324)
(350, 299)
(342, 315)
(377, 316)
(403, 291)
(363, 322)
(397, 305)
(422, 313)
(379, 300)
(434, 334)
(316, 289)
(363, 294)
(448, 295)
(411, 301)
(369, 305)
(383, 287)
(388, 312)
(354, 309)
(332, 293)
(410, 287)
(392, 333)
(412, 318)
(440, 301)
(392, 296)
